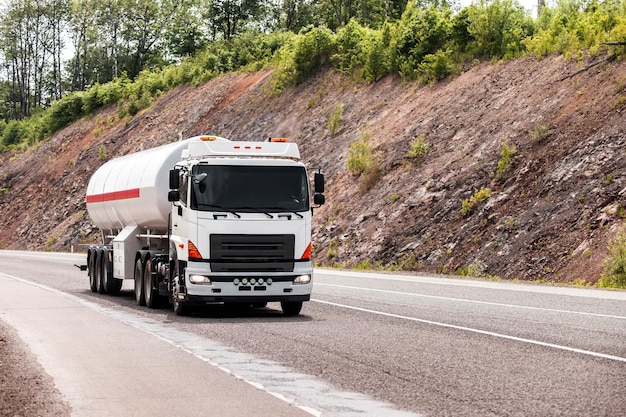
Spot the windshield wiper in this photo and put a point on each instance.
(220, 208)
(287, 210)
(255, 210)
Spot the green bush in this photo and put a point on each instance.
(303, 56)
(12, 134)
(498, 28)
(435, 67)
(334, 121)
(506, 155)
(468, 204)
(615, 264)
(65, 111)
(361, 156)
(421, 32)
(418, 148)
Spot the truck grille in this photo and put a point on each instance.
(251, 253)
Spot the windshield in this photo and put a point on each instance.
(250, 188)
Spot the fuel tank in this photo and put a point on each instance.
(132, 190)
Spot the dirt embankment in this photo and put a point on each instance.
(549, 215)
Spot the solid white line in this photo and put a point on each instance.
(477, 283)
(582, 313)
(483, 332)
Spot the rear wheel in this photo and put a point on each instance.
(93, 281)
(151, 294)
(100, 271)
(291, 308)
(111, 285)
(140, 296)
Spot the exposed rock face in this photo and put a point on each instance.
(549, 214)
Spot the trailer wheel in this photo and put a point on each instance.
(151, 294)
(291, 308)
(109, 284)
(91, 261)
(140, 296)
(100, 271)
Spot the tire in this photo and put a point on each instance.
(291, 308)
(140, 296)
(100, 271)
(151, 294)
(91, 262)
(111, 285)
(259, 305)
(180, 309)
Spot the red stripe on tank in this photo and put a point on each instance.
(116, 195)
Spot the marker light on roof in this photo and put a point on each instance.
(279, 140)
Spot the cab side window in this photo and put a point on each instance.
(184, 185)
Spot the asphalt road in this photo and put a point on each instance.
(366, 345)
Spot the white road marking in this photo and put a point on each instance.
(475, 283)
(463, 300)
(306, 392)
(483, 332)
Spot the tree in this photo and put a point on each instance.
(31, 43)
(229, 16)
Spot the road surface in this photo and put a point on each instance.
(366, 345)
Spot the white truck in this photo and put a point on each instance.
(205, 220)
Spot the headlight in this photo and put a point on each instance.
(199, 279)
(302, 279)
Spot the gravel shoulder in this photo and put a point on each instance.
(25, 388)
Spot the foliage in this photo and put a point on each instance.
(468, 204)
(117, 62)
(574, 25)
(421, 32)
(418, 148)
(361, 156)
(303, 55)
(362, 161)
(497, 28)
(102, 152)
(507, 153)
(540, 133)
(615, 264)
(335, 119)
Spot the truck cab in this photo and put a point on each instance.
(241, 224)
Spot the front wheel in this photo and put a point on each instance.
(180, 309)
(291, 308)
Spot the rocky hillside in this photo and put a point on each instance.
(549, 206)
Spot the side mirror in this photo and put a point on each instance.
(319, 199)
(173, 196)
(174, 179)
(319, 182)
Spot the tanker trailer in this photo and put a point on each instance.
(203, 221)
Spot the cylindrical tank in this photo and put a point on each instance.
(132, 190)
